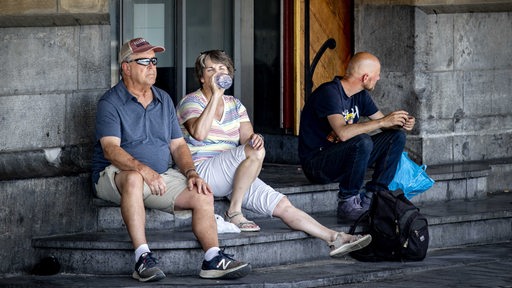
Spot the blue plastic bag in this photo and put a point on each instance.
(410, 177)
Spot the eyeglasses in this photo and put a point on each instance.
(144, 61)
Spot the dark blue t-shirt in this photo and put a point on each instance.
(145, 133)
(329, 98)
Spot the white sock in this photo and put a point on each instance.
(211, 253)
(144, 248)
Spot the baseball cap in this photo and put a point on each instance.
(137, 45)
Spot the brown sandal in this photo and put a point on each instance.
(244, 226)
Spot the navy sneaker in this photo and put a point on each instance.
(146, 270)
(366, 199)
(350, 209)
(223, 266)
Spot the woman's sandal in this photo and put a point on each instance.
(355, 242)
(245, 226)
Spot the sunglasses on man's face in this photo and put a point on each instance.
(144, 61)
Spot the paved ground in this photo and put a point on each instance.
(476, 266)
(485, 274)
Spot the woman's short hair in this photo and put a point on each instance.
(217, 57)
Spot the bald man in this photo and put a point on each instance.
(335, 146)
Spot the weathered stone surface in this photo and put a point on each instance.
(41, 60)
(446, 97)
(448, 6)
(393, 93)
(439, 46)
(438, 150)
(461, 79)
(32, 121)
(50, 82)
(482, 41)
(49, 162)
(39, 207)
(21, 7)
(83, 6)
(388, 32)
(94, 59)
(81, 116)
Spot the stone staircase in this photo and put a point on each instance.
(459, 209)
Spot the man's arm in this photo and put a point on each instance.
(377, 121)
(124, 161)
(182, 157)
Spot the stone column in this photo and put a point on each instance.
(55, 65)
(450, 66)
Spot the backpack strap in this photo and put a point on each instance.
(360, 222)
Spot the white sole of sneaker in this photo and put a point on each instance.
(234, 273)
(156, 277)
(353, 246)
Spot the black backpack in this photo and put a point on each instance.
(399, 231)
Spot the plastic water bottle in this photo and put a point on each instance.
(223, 81)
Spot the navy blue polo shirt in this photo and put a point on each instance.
(145, 133)
(328, 99)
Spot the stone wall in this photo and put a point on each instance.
(56, 63)
(451, 70)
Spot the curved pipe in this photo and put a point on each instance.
(310, 69)
(329, 43)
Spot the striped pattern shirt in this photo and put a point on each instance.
(223, 135)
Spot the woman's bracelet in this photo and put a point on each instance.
(188, 170)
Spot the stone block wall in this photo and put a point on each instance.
(56, 64)
(451, 70)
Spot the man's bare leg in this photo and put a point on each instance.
(131, 185)
(204, 225)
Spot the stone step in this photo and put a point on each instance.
(470, 266)
(453, 223)
(453, 182)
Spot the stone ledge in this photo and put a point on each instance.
(463, 267)
(289, 179)
(48, 162)
(448, 6)
(460, 211)
(459, 170)
(291, 176)
(51, 20)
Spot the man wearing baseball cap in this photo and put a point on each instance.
(138, 138)
(137, 45)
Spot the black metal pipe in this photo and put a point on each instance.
(309, 69)
(329, 43)
(308, 77)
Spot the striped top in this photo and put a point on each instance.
(224, 134)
